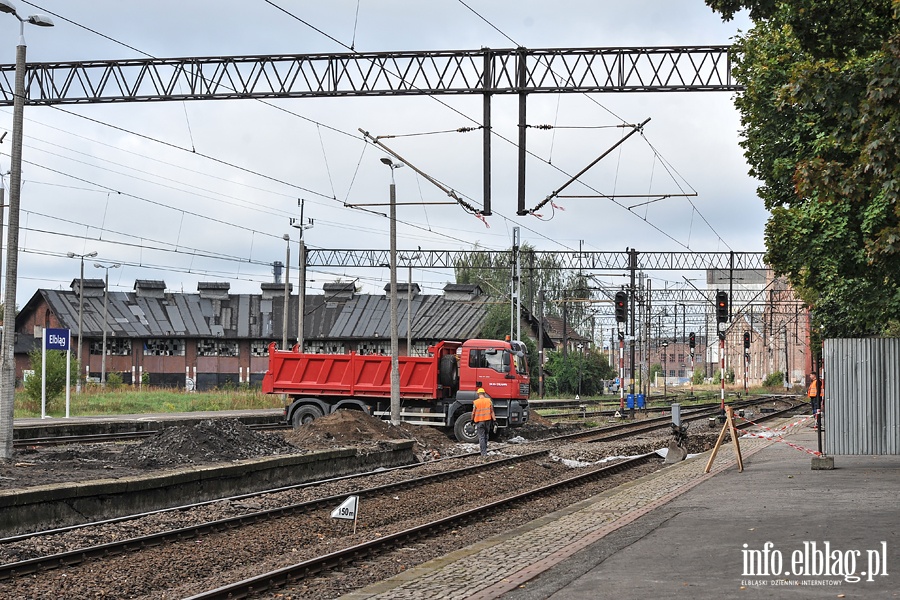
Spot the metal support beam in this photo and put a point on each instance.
(586, 260)
(416, 73)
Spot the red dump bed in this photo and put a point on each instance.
(352, 375)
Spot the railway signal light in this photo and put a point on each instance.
(721, 307)
(692, 340)
(746, 340)
(621, 306)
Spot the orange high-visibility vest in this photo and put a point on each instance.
(813, 389)
(483, 410)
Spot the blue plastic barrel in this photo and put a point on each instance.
(629, 401)
(640, 401)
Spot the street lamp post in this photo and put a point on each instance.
(395, 344)
(665, 347)
(80, 311)
(105, 316)
(8, 368)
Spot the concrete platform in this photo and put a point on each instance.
(25, 429)
(681, 533)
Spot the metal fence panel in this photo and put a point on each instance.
(862, 396)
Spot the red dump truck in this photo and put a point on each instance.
(436, 390)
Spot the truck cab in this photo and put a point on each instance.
(501, 368)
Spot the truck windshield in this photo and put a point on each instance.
(498, 360)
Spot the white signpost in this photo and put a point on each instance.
(55, 339)
(347, 510)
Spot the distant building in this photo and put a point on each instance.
(213, 338)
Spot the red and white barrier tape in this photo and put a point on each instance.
(779, 437)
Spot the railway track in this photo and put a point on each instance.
(588, 409)
(435, 501)
(443, 514)
(124, 436)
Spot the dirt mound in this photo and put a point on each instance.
(207, 441)
(356, 428)
(537, 419)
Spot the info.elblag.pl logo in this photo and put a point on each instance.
(814, 560)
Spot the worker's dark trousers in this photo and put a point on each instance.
(484, 430)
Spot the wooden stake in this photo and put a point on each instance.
(730, 428)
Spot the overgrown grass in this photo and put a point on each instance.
(95, 401)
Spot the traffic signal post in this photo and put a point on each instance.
(692, 343)
(746, 359)
(621, 302)
(721, 321)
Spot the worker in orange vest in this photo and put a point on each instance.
(483, 417)
(815, 393)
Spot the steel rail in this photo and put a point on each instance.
(293, 573)
(123, 436)
(73, 557)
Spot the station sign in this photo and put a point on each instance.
(56, 339)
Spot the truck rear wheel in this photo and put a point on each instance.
(464, 429)
(305, 414)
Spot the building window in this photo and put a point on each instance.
(217, 348)
(332, 348)
(260, 348)
(164, 347)
(114, 347)
(374, 348)
(671, 372)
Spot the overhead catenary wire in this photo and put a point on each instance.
(266, 103)
(324, 195)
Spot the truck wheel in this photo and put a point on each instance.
(448, 372)
(305, 414)
(464, 429)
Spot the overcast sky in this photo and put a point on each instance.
(169, 205)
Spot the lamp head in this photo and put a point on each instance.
(390, 163)
(7, 7)
(98, 265)
(286, 237)
(40, 20)
(69, 254)
(91, 255)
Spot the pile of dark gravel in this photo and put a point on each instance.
(208, 441)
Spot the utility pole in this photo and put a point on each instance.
(301, 310)
(515, 313)
(632, 265)
(287, 292)
(541, 343)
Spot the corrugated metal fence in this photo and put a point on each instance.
(862, 396)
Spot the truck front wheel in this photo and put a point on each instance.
(464, 429)
(305, 414)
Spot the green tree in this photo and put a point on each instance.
(496, 327)
(56, 377)
(774, 379)
(820, 118)
(697, 377)
(493, 272)
(564, 372)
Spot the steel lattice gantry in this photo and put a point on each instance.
(448, 259)
(520, 71)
